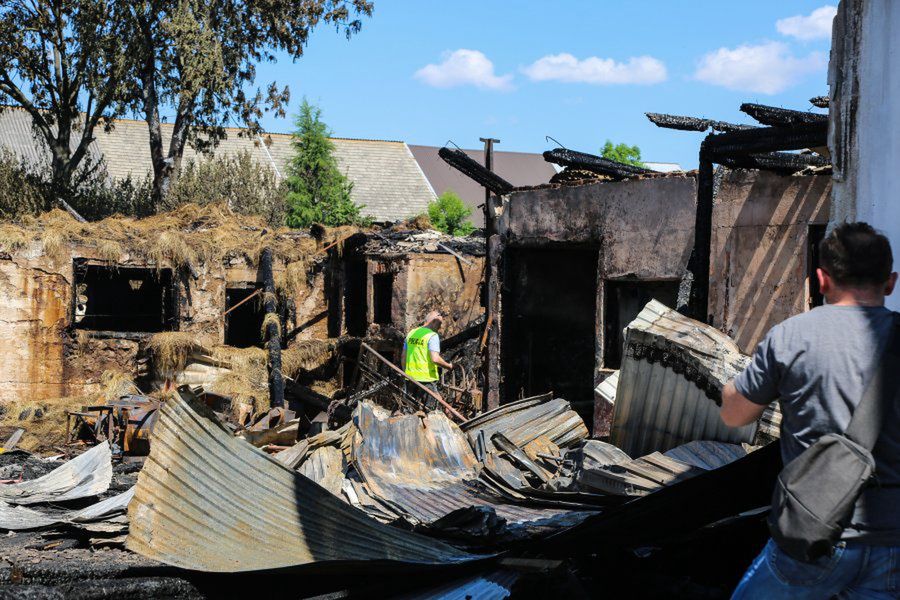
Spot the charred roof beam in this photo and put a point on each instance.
(595, 164)
(781, 117)
(766, 139)
(463, 163)
(693, 123)
(779, 162)
(820, 101)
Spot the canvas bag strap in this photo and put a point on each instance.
(883, 388)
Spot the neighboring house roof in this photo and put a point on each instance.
(518, 168)
(386, 178)
(663, 167)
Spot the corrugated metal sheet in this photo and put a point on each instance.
(19, 518)
(488, 586)
(425, 468)
(673, 368)
(210, 502)
(86, 475)
(707, 455)
(524, 421)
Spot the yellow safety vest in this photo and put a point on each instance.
(419, 365)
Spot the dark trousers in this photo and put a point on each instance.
(425, 400)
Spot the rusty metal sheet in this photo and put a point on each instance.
(425, 468)
(86, 475)
(208, 501)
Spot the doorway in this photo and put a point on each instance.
(549, 330)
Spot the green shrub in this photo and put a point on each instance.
(450, 214)
(238, 181)
(22, 192)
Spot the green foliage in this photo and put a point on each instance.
(450, 214)
(22, 192)
(623, 153)
(28, 189)
(201, 58)
(317, 190)
(241, 183)
(59, 60)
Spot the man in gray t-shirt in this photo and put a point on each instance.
(817, 365)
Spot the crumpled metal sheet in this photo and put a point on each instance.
(524, 421)
(495, 585)
(20, 518)
(86, 475)
(670, 384)
(210, 502)
(425, 469)
(707, 455)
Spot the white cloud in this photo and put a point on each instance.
(815, 25)
(464, 67)
(567, 68)
(767, 68)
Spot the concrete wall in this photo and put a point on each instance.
(631, 220)
(864, 133)
(758, 267)
(642, 229)
(45, 357)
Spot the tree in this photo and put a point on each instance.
(200, 58)
(623, 153)
(317, 190)
(59, 60)
(449, 214)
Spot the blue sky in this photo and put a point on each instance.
(495, 69)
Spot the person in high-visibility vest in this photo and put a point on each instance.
(422, 356)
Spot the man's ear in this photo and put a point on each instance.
(891, 282)
(825, 283)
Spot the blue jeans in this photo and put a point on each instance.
(854, 571)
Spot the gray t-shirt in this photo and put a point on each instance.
(818, 365)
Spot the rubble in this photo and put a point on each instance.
(208, 501)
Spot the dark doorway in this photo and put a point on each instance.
(382, 298)
(549, 337)
(622, 302)
(243, 324)
(355, 305)
(124, 299)
(814, 236)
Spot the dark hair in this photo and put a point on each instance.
(855, 255)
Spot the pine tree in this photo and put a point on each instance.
(317, 190)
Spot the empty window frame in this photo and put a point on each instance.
(623, 300)
(382, 298)
(814, 236)
(124, 299)
(243, 322)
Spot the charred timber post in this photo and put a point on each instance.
(699, 300)
(767, 139)
(595, 164)
(273, 329)
(483, 176)
(693, 123)
(781, 117)
(491, 392)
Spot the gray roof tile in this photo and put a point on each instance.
(386, 178)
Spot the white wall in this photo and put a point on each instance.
(870, 190)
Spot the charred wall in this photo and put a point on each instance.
(48, 355)
(760, 250)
